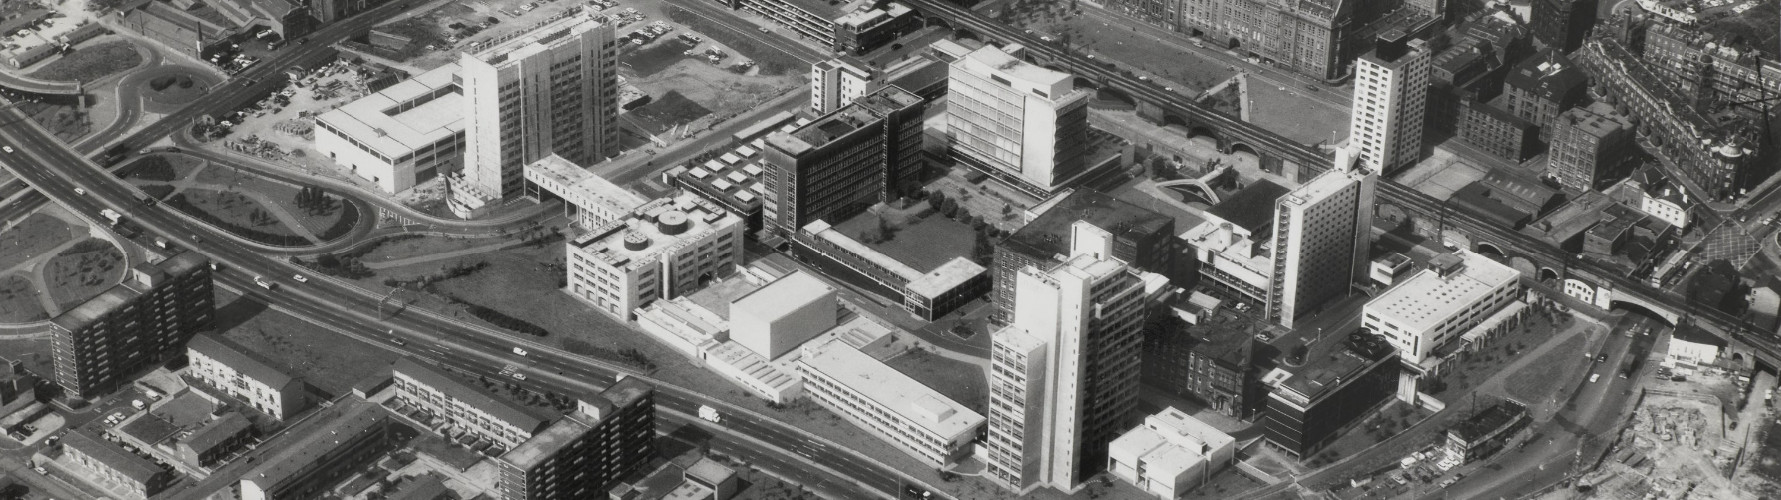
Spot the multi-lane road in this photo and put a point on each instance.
(57, 172)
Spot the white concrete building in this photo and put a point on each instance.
(1323, 236)
(664, 249)
(553, 89)
(1064, 375)
(1390, 95)
(1438, 304)
(923, 423)
(1020, 123)
(588, 199)
(1691, 347)
(223, 366)
(837, 82)
(400, 136)
(1171, 454)
(781, 316)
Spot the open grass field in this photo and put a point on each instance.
(419, 247)
(82, 271)
(92, 62)
(1115, 41)
(961, 381)
(1539, 379)
(285, 195)
(34, 353)
(35, 235)
(66, 121)
(177, 87)
(18, 300)
(236, 208)
(327, 360)
(1289, 112)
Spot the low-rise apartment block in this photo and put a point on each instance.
(327, 448)
(227, 367)
(922, 422)
(114, 467)
(502, 423)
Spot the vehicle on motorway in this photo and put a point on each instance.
(146, 200)
(764, 29)
(519, 351)
(398, 341)
(261, 280)
(80, 191)
(710, 414)
(1594, 376)
(6, 148)
(1601, 358)
(41, 470)
(519, 376)
(1310, 87)
(300, 278)
(111, 215)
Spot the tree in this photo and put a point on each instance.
(949, 208)
(936, 198)
(1297, 356)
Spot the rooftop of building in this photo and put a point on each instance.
(993, 58)
(783, 296)
(867, 16)
(1598, 119)
(751, 364)
(829, 10)
(1748, 28)
(1549, 75)
(930, 73)
(890, 389)
(404, 117)
(864, 111)
(1692, 333)
(735, 174)
(1489, 420)
(320, 435)
(112, 456)
(1170, 442)
(525, 43)
(1572, 219)
(428, 486)
(1251, 208)
(519, 415)
(97, 307)
(710, 470)
(545, 444)
(585, 184)
(238, 358)
(1476, 198)
(217, 431)
(150, 428)
(1049, 234)
(1323, 373)
(1431, 296)
(945, 278)
(652, 229)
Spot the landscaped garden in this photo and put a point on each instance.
(318, 213)
(236, 213)
(82, 272)
(18, 300)
(174, 87)
(86, 64)
(36, 235)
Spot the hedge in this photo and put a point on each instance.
(179, 202)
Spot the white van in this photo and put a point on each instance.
(519, 351)
(1593, 377)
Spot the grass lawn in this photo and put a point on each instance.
(1227, 101)
(961, 381)
(86, 64)
(67, 121)
(771, 60)
(236, 208)
(162, 168)
(668, 111)
(416, 247)
(328, 361)
(655, 57)
(83, 271)
(177, 87)
(37, 234)
(34, 353)
(285, 195)
(1540, 378)
(922, 242)
(18, 300)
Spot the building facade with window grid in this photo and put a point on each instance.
(553, 89)
(664, 249)
(1022, 124)
(146, 319)
(1390, 96)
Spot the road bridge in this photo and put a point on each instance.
(30, 85)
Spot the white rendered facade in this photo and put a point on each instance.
(1390, 95)
(1170, 454)
(1064, 375)
(400, 136)
(924, 423)
(1021, 123)
(1322, 239)
(1437, 305)
(664, 249)
(588, 199)
(835, 83)
(223, 367)
(783, 315)
(552, 90)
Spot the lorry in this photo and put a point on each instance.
(112, 215)
(710, 414)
